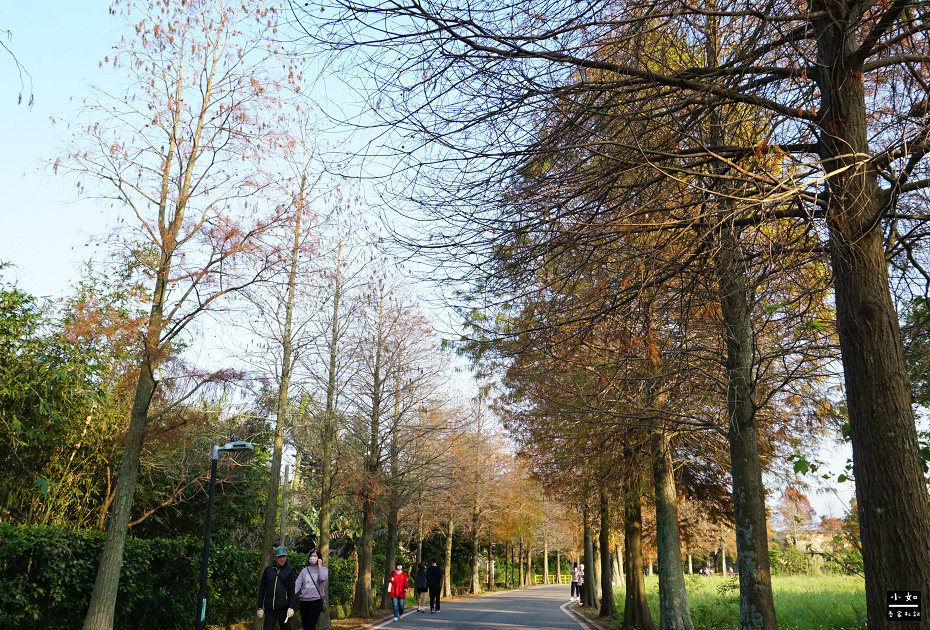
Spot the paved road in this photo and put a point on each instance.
(537, 608)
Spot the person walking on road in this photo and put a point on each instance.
(434, 583)
(397, 590)
(311, 590)
(580, 575)
(276, 592)
(574, 583)
(419, 584)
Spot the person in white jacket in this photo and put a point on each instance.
(311, 590)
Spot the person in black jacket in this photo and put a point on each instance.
(276, 592)
(434, 583)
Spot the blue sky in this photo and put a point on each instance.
(44, 226)
(46, 230)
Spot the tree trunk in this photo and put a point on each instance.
(490, 564)
(558, 567)
(102, 607)
(520, 573)
(329, 430)
(617, 568)
(420, 537)
(622, 578)
(271, 501)
(690, 565)
(588, 590)
(390, 555)
(636, 612)
(362, 603)
(757, 607)
(608, 605)
(475, 586)
(529, 565)
(447, 566)
(596, 572)
(894, 510)
(545, 559)
(674, 611)
(507, 564)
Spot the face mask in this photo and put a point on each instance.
(398, 567)
(312, 560)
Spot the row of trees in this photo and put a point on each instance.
(676, 222)
(241, 297)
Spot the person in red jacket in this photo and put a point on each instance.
(397, 590)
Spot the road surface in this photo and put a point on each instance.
(537, 608)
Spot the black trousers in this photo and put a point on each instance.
(275, 616)
(434, 597)
(575, 588)
(310, 613)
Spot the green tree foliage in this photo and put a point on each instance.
(51, 397)
(915, 330)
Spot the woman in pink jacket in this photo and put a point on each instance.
(311, 590)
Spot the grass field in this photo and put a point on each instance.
(801, 602)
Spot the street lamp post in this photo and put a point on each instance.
(200, 619)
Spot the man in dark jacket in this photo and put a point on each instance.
(276, 592)
(434, 583)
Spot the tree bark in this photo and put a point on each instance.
(447, 566)
(102, 609)
(390, 555)
(328, 436)
(636, 612)
(420, 537)
(757, 607)
(362, 603)
(507, 559)
(894, 510)
(588, 590)
(616, 577)
(621, 576)
(271, 501)
(475, 586)
(674, 611)
(529, 565)
(490, 564)
(520, 573)
(608, 605)
(545, 558)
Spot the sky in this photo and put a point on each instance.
(47, 231)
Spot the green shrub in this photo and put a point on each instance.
(48, 575)
(795, 561)
(341, 580)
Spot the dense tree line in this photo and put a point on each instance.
(578, 159)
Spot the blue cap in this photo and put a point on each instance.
(279, 551)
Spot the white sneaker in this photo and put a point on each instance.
(396, 618)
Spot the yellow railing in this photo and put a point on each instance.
(563, 579)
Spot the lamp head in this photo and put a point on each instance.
(237, 445)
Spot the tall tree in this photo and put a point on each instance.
(843, 88)
(179, 150)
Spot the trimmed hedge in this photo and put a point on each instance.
(48, 575)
